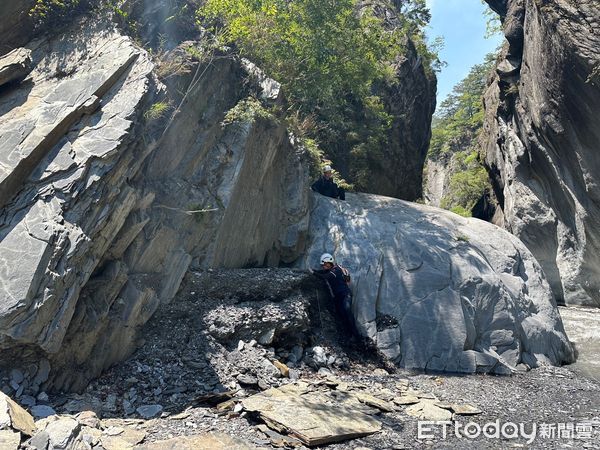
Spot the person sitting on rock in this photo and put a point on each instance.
(326, 186)
(337, 279)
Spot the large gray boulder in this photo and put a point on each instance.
(542, 134)
(438, 291)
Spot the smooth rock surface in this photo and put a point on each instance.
(437, 291)
(541, 131)
(15, 65)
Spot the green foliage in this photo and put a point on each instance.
(318, 160)
(48, 11)
(467, 184)
(196, 53)
(329, 57)
(121, 16)
(157, 111)
(415, 16)
(321, 50)
(455, 139)
(493, 25)
(459, 119)
(247, 110)
(56, 13)
(315, 155)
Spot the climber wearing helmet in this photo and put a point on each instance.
(326, 186)
(337, 279)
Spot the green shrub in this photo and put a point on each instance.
(247, 110)
(329, 58)
(48, 14)
(157, 111)
(459, 119)
(456, 130)
(45, 12)
(468, 183)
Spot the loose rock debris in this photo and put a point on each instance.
(310, 413)
(202, 383)
(14, 416)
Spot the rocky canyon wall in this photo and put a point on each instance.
(119, 172)
(105, 205)
(543, 138)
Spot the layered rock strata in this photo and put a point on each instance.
(542, 138)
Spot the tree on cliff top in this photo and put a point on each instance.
(328, 55)
(455, 139)
(459, 118)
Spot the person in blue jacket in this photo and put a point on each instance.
(337, 280)
(326, 186)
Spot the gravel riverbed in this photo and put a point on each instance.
(188, 355)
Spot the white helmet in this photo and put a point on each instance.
(327, 169)
(326, 258)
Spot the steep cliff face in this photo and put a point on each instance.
(115, 180)
(15, 26)
(396, 169)
(542, 127)
(436, 178)
(105, 205)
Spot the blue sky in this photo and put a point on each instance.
(462, 24)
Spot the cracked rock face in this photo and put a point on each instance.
(542, 138)
(15, 65)
(104, 209)
(438, 291)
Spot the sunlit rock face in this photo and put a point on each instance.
(438, 291)
(542, 134)
(104, 207)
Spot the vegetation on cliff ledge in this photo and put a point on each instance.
(455, 139)
(328, 55)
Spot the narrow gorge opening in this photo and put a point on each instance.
(455, 174)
